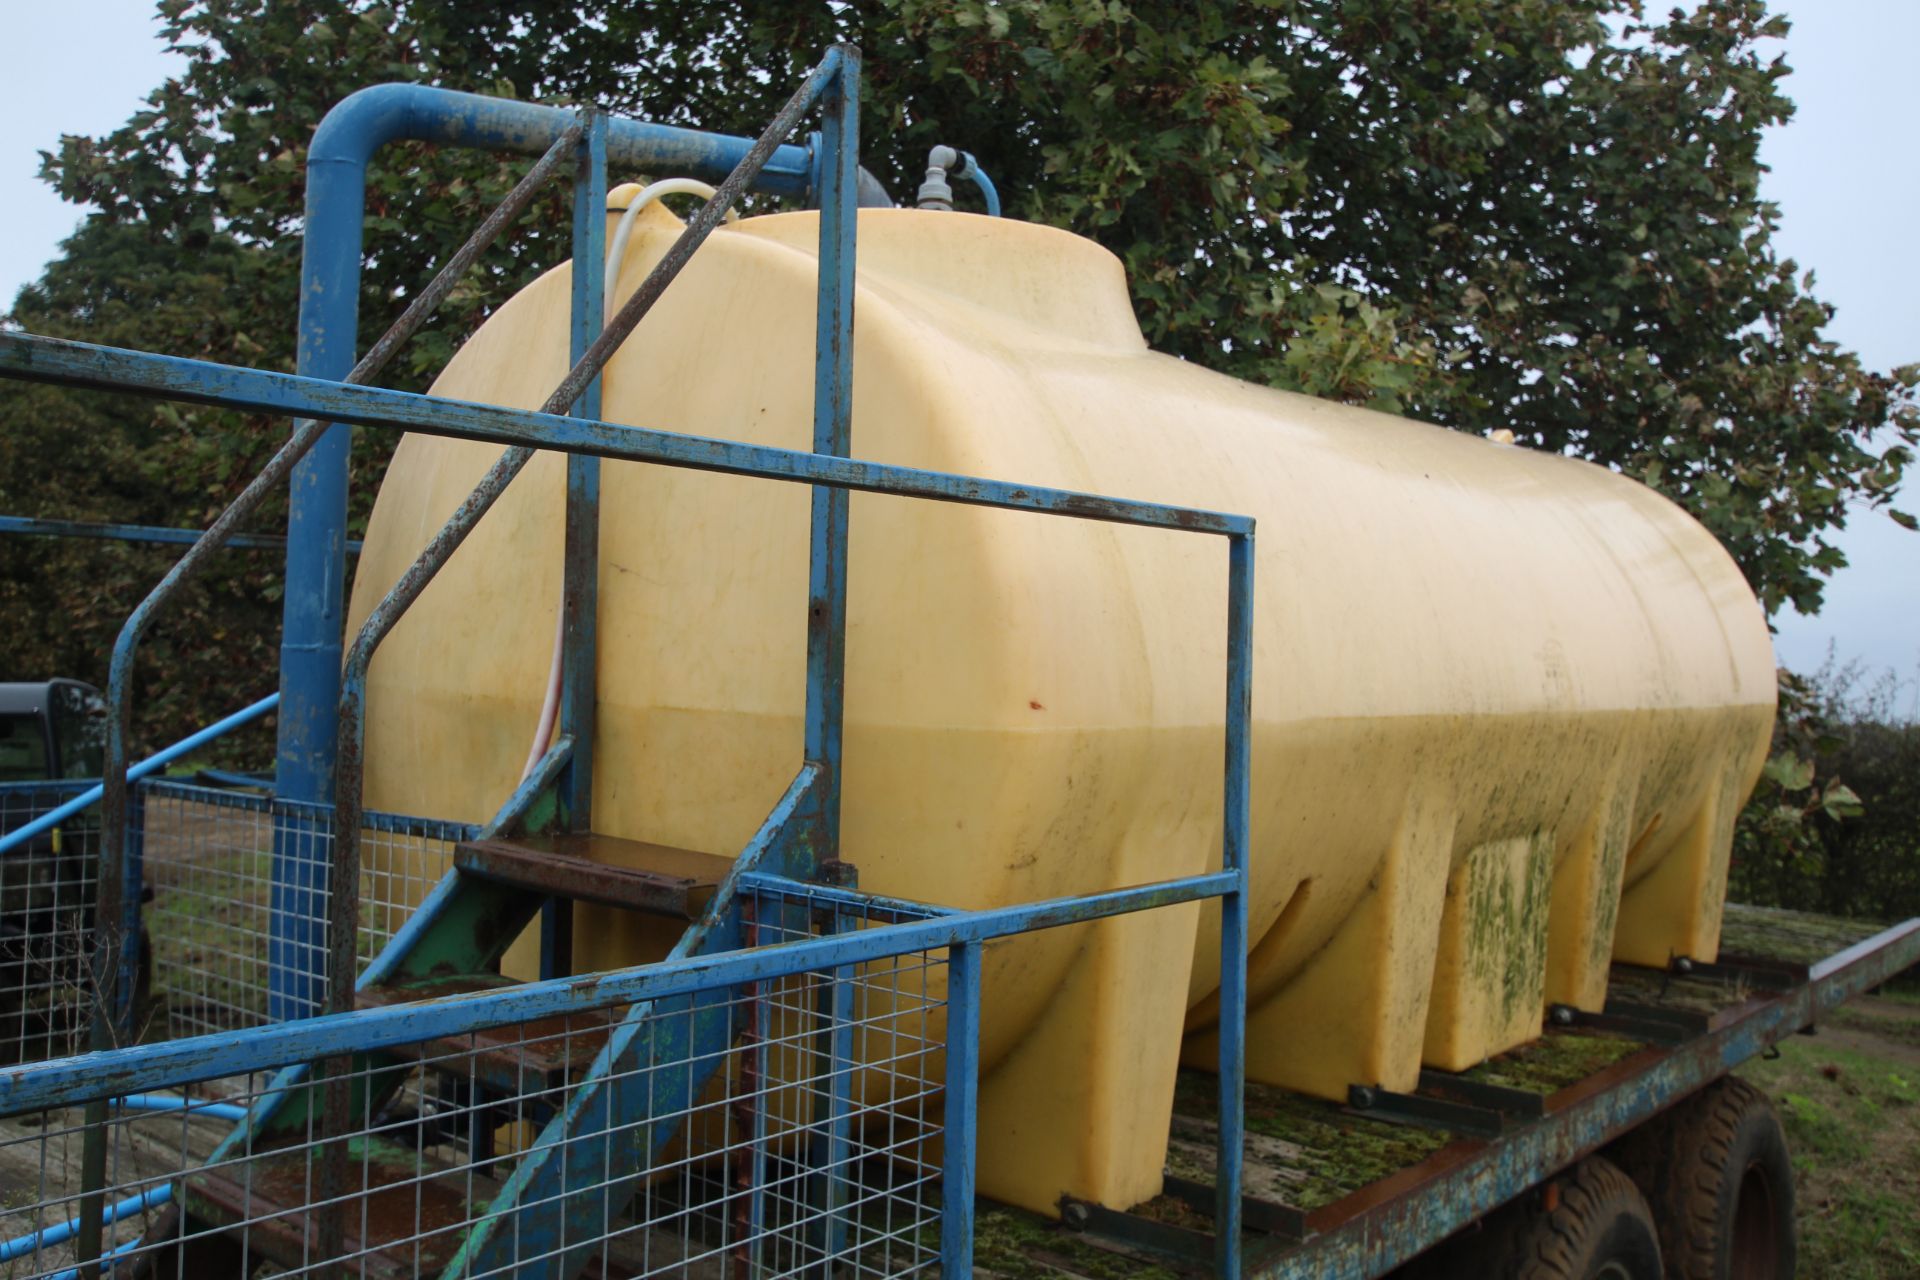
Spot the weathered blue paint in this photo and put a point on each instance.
(580, 567)
(79, 364)
(580, 586)
(870, 906)
(343, 146)
(139, 1068)
(60, 1233)
(152, 764)
(316, 462)
(1388, 1231)
(962, 1097)
(1233, 906)
(36, 525)
(832, 437)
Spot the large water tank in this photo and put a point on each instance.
(1506, 704)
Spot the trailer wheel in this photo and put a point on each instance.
(1590, 1223)
(1601, 1229)
(1717, 1173)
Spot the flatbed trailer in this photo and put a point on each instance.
(476, 1117)
(1358, 1191)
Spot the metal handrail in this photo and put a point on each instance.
(115, 911)
(153, 763)
(343, 907)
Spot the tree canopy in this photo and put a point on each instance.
(1541, 215)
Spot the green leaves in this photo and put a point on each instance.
(1542, 215)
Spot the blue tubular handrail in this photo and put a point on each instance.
(117, 911)
(79, 364)
(152, 764)
(343, 907)
(343, 146)
(44, 527)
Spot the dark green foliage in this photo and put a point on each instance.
(1534, 214)
(1834, 826)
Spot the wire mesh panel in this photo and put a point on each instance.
(209, 862)
(750, 1130)
(209, 865)
(46, 923)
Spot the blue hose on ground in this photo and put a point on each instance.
(61, 1232)
(151, 1198)
(162, 1102)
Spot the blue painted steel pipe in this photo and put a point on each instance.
(138, 533)
(1235, 818)
(61, 1232)
(80, 364)
(151, 1198)
(113, 1072)
(167, 1102)
(152, 764)
(311, 635)
(337, 162)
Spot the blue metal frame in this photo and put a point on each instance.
(87, 797)
(802, 833)
(343, 147)
(44, 527)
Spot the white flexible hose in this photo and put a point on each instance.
(616, 254)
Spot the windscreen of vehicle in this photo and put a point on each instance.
(23, 749)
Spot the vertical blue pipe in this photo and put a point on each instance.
(310, 645)
(581, 585)
(311, 639)
(580, 576)
(963, 1082)
(1233, 907)
(832, 434)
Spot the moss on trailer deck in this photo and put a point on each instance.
(1775, 933)
(1016, 1245)
(1554, 1061)
(1300, 1151)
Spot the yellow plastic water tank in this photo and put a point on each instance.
(1506, 704)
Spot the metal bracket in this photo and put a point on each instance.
(1184, 1243)
(1282, 1221)
(1754, 971)
(1426, 1113)
(1639, 1022)
(1515, 1103)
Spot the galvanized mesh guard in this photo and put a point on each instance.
(46, 924)
(814, 1140)
(209, 864)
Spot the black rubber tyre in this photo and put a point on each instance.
(1600, 1230)
(1717, 1174)
(1590, 1223)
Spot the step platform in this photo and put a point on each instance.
(525, 1058)
(401, 1220)
(656, 879)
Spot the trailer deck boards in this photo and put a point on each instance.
(1330, 1181)
(1325, 1184)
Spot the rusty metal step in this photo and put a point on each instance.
(402, 1218)
(654, 878)
(525, 1058)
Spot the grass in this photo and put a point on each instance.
(1850, 1100)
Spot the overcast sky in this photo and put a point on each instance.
(1842, 174)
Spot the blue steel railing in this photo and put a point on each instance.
(103, 1076)
(807, 833)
